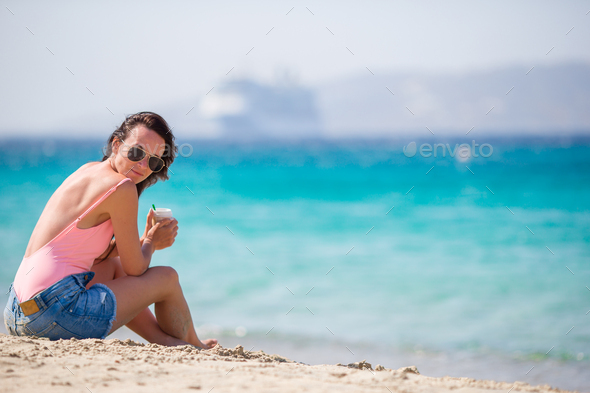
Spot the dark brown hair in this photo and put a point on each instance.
(157, 124)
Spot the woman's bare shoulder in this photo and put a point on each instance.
(88, 165)
(110, 178)
(125, 193)
(93, 180)
(93, 177)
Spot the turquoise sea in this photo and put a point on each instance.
(339, 252)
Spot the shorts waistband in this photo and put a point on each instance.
(71, 283)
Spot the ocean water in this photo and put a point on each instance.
(325, 252)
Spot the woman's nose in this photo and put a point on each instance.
(144, 162)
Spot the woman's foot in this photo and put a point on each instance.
(208, 344)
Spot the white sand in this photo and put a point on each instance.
(112, 365)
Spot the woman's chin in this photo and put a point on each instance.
(134, 176)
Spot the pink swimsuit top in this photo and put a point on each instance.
(72, 251)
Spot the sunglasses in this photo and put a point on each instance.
(137, 154)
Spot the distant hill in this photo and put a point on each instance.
(548, 100)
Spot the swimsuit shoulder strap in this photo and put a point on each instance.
(102, 198)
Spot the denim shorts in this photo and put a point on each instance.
(66, 310)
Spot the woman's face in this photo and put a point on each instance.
(147, 140)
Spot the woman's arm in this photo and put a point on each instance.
(122, 206)
(161, 239)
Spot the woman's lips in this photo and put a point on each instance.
(137, 173)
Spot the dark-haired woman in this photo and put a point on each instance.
(75, 280)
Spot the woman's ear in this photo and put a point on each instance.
(115, 146)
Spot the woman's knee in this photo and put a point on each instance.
(166, 273)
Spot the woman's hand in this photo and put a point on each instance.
(148, 224)
(161, 235)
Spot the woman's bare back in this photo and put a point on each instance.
(70, 200)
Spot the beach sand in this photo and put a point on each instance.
(92, 365)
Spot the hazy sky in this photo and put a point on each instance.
(132, 56)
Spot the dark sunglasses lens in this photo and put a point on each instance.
(135, 154)
(156, 164)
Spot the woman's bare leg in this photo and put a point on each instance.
(145, 323)
(173, 325)
(158, 285)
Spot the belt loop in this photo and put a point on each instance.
(40, 301)
(88, 276)
(78, 277)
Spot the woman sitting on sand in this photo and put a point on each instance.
(74, 280)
